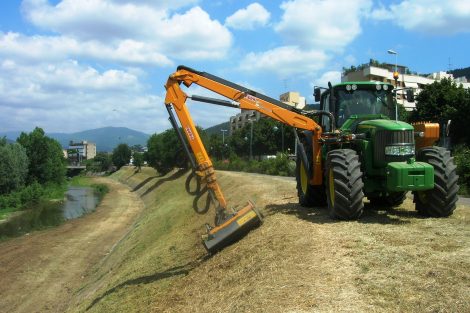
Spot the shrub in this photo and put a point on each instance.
(281, 165)
(462, 160)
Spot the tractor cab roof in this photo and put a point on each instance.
(364, 84)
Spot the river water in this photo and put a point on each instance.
(79, 201)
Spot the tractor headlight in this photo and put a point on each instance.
(400, 150)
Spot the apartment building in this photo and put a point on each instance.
(405, 80)
(80, 151)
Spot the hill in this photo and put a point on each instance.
(106, 138)
(460, 72)
(217, 129)
(299, 260)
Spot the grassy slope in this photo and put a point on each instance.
(298, 260)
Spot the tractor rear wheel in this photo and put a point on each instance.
(441, 200)
(392, 199)
(309, 195)
(344, 184)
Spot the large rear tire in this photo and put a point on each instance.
(309, 195)
(442, 199)
(344, 184)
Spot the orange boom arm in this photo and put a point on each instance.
(241, 98)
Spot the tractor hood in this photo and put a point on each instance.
(382, 124)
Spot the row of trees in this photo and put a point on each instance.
(264, 137)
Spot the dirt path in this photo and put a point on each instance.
(41, 272)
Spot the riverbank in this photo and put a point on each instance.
(42, 271)
(46, 210)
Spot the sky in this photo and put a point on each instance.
(73, 65)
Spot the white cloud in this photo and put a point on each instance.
(95, 62)
(330, 76)
(193, 35)
(166, 4)
(136, 31)
(285, 61)
(32, 49)
(328, 25)
(250, 17)
(69, 97)
(430, 16)
(313, 31)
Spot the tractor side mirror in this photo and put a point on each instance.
(410, 95)
(317, 94)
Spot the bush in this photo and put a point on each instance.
(23, 198)
(281, 165)
(462, 160)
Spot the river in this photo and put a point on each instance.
(79, 201)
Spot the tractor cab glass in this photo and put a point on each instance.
(363, 100)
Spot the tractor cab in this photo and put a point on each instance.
(352, 102)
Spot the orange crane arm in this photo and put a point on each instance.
(244, 99)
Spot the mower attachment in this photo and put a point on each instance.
(233, 228)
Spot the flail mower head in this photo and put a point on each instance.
(232, 228)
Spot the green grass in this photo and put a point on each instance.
(4, 213)
(157, 242)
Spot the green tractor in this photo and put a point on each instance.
(369, 153)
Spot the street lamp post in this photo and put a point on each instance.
(251, 140)
(282, 136)
(395, 76)
(223, 135)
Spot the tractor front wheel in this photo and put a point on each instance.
(441, 200)
(344, 184)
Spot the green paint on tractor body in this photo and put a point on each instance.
(385, 146)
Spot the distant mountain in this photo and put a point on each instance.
(106, 138)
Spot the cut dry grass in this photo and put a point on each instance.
(299, 260)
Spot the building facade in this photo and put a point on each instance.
(80, 151)
(379, 74)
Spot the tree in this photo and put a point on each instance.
(443, 101)
(121, 155)
(267, 138)
(138, 160)
(100, 163)
(46, 158)
(13, 167)
(218, 149)
(166, 152)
